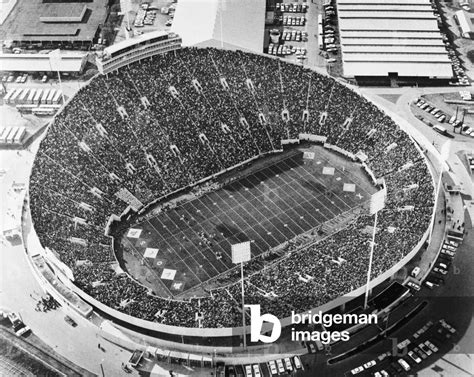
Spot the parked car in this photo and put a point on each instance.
(273, 368)
(404, 364)
(414, 357)
(357, 370)
(70, 321)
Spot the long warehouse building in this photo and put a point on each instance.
(392, 42)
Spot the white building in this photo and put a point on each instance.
(395, 41)
(232, 24)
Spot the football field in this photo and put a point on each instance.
(191, 243)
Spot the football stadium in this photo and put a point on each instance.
(154, 170)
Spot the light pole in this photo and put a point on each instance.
(444, 155)
(377, 202)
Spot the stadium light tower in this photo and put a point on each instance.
(444, 155)
(377, 202)
(240, 254)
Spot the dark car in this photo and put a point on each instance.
(70, 321)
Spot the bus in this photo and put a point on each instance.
(31, 96)
(11, 135)
(26, 108)
(38, 94)
(19, 135)
(7, 97)
(3, 135)
(57, 97)
(15, 95)
(45, 95)
(44, 111)
(51, 94)
(23, 96)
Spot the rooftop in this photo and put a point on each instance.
(392, 36)
(24, 23)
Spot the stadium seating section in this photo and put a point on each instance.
(92, 150)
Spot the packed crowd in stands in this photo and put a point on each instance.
(162, 124)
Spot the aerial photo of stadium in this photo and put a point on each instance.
(192, 200)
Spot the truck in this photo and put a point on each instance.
(18, 326)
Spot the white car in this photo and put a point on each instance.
(440, 271)
(425, 349)
(431, 346)
(413, 285)
(452, 243)
(256, 370)
(288, 365)
(297, 362)
(370, 364)
(248, 371)
(414, 357)
(404, 364)
(281, 368)
(448, 252)
(357, 370)
(273, 368)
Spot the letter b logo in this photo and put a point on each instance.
(256, 323)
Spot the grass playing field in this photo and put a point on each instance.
(190, 244)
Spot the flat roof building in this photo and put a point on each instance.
(391, 42)
(70, 62)
(53, 23)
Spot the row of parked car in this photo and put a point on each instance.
(294, 35)
(20, 79)
(276, 367)
(276, 49)
(294, 21)
(144, 16)
(329, 28)
(437, 113)
(440, 269)
(425, 342)
(292, 7)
